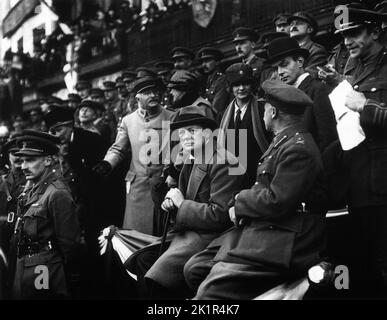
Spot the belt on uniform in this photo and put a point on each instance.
(34, 248)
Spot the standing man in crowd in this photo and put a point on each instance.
(216, 85)
(286, 55)
(244, 112)
(275, 238)
(303, 27)
(366, 71)
(47, 232)
(134, 136)
(182, 58)
(83, 88)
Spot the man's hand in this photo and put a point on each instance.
(330, 75)
(171, 183)
(176, 196)
(232, 215)
(167, 205)
(355, 101)
(103, 168)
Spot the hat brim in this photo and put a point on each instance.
(302, 52)
(182, 55)
(240, 39)
(206, 123)
(352, 27)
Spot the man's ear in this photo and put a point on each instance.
(48, 161)
(301, 61)
(309, 30)
(274, 112)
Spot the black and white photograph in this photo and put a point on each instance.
(173, 152)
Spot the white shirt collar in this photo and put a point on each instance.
(300, 79)
(243, 110)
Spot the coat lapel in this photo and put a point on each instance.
(225, 123)
(259, 132)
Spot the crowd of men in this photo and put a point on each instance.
(243, 210)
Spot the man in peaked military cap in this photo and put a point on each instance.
(182, 58)
(83, 87)
(145, 169)
(47, 232)
(244, 41)
(276, 238)
(145, 72)
(303, 28)
(165, 71)
(281, 23)
(128, 77)
(216, 85)
(366, 71)
(123, 96)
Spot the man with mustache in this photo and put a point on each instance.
(47, 229)
(289, 59)
(303, 27)
(365, 165)
(244, 113)
(216, 85)
(135, 143)
(244, 41)
(182, 58)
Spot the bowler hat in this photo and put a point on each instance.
(306, 17)
(147, 83)
(192, 115)
(57, 115)
(283, 47)
(210, 53)
(243, 33)
(181, 52)
(287, 98)
(239, 73)
(37, 143)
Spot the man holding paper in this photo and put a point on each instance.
(366, 71)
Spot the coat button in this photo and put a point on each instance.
(259, 163)
(356, 87)
(149, 164)
(148, 139)
(263, 171)
(373, 89)
(271, 227)
(149, 153)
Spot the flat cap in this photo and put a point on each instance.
(37, 143)
(281, 18)
(180, 52)
(239, 73)
(96, 106)
(57, 115)
(97, 92)
(184, 80)
(83, 84)
(210, 53)
(287, 98)
(358, 16)
(73, 97)
(145, 72)
(192, 115)
(306, 17)
(109, 85)
(242, 34)
(144, 83)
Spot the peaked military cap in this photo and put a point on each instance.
(73, 97)
(358, 16)
(11, 145)
(381, 7)
(287, 98)
(239, 73)
(164, 67)
(192, 115)
(281, 18)
(180, 52)
(210, 53)
(82, 84)
(57, 116)
(37, 143)
(243, 33)
(306, 17)
(120, 82)
(145, 72)
(144, 83)
(109, 85)
(283, 47)
(97, 92)
(129, 76)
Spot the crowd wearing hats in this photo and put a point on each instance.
(276, 95)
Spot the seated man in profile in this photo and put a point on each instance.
(206, 184)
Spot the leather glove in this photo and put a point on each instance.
(103, 169)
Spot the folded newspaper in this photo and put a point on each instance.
(348, 125)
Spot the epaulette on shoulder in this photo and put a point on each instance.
(59, 184)
(299, 138)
